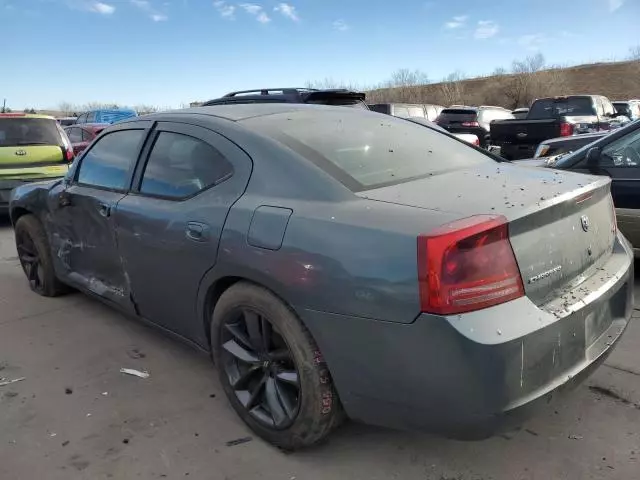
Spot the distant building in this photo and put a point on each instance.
(196, 104)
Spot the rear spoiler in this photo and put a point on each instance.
(335, 94)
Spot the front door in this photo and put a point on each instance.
(83, 232)
(169, 226)
(621, 161)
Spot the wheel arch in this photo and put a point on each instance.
(17, 212)
(214, 284)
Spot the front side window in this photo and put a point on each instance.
(180, 166)
(108, 162)
(623, 152)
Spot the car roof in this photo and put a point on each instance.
(25, 115)
(236, 112)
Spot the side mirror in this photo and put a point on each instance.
(593, 157)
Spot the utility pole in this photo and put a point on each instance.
(4, 106)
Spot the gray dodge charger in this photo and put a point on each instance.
(337, 264)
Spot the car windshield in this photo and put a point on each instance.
(556, 107)
(365, 151)
(26, 131)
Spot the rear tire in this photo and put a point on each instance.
(271, 369)
(35, 257)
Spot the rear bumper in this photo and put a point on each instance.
(517, 152)
(473, 375)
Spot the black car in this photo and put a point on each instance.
(475, 120)
(550, 118)
(339, 97)
(408, 110)
(561, 145)
(616, 155)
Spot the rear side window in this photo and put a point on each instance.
(180, 166)
(551, 108)
(622, 108)
(108, 162)
(363, 151)
(16, 131)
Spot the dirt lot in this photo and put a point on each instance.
(76, 417)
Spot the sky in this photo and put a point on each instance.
(171, 52)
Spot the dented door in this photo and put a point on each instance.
(84, 242)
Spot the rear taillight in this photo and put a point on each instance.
(566, 129)
(67, 153)
(470, 124)
(467, 265)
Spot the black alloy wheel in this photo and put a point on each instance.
(260, 368)
(30, 261)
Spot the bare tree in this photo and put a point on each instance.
(524, 83)
(329, 83)
(634, 53)
(145, 109)
(66, 108)
(451, 89)
(499, 71)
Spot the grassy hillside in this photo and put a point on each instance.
(617, 81)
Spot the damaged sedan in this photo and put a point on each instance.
(339, 264)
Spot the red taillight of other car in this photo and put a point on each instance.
(470, 124)
(476, 142)
(467, 265)
(566, 129)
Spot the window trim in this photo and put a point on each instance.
(177, 129)
(132, 167)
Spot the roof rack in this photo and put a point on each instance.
(272, 91)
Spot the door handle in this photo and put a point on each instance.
(104, 209)
(198, 232)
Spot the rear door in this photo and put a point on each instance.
(82, 228)
(169, 227)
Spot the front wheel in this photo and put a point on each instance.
(271, 369)
(35, 257)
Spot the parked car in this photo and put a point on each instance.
(341, 97)
(628, 108)
(83, 134)
(520, 113)
(562, 145)
(475, 120)
(65, 121)
(415, 110)
(550, 118)
(106, 115)
(616, 155)
(333, 262)
(32, 148)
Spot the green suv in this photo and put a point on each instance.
(32, 148)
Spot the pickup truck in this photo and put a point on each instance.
(549, 118)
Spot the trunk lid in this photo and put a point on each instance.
(30, 155)
(560, 223)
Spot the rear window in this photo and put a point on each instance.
(365, 151)
(18, 131)
(550, 107)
